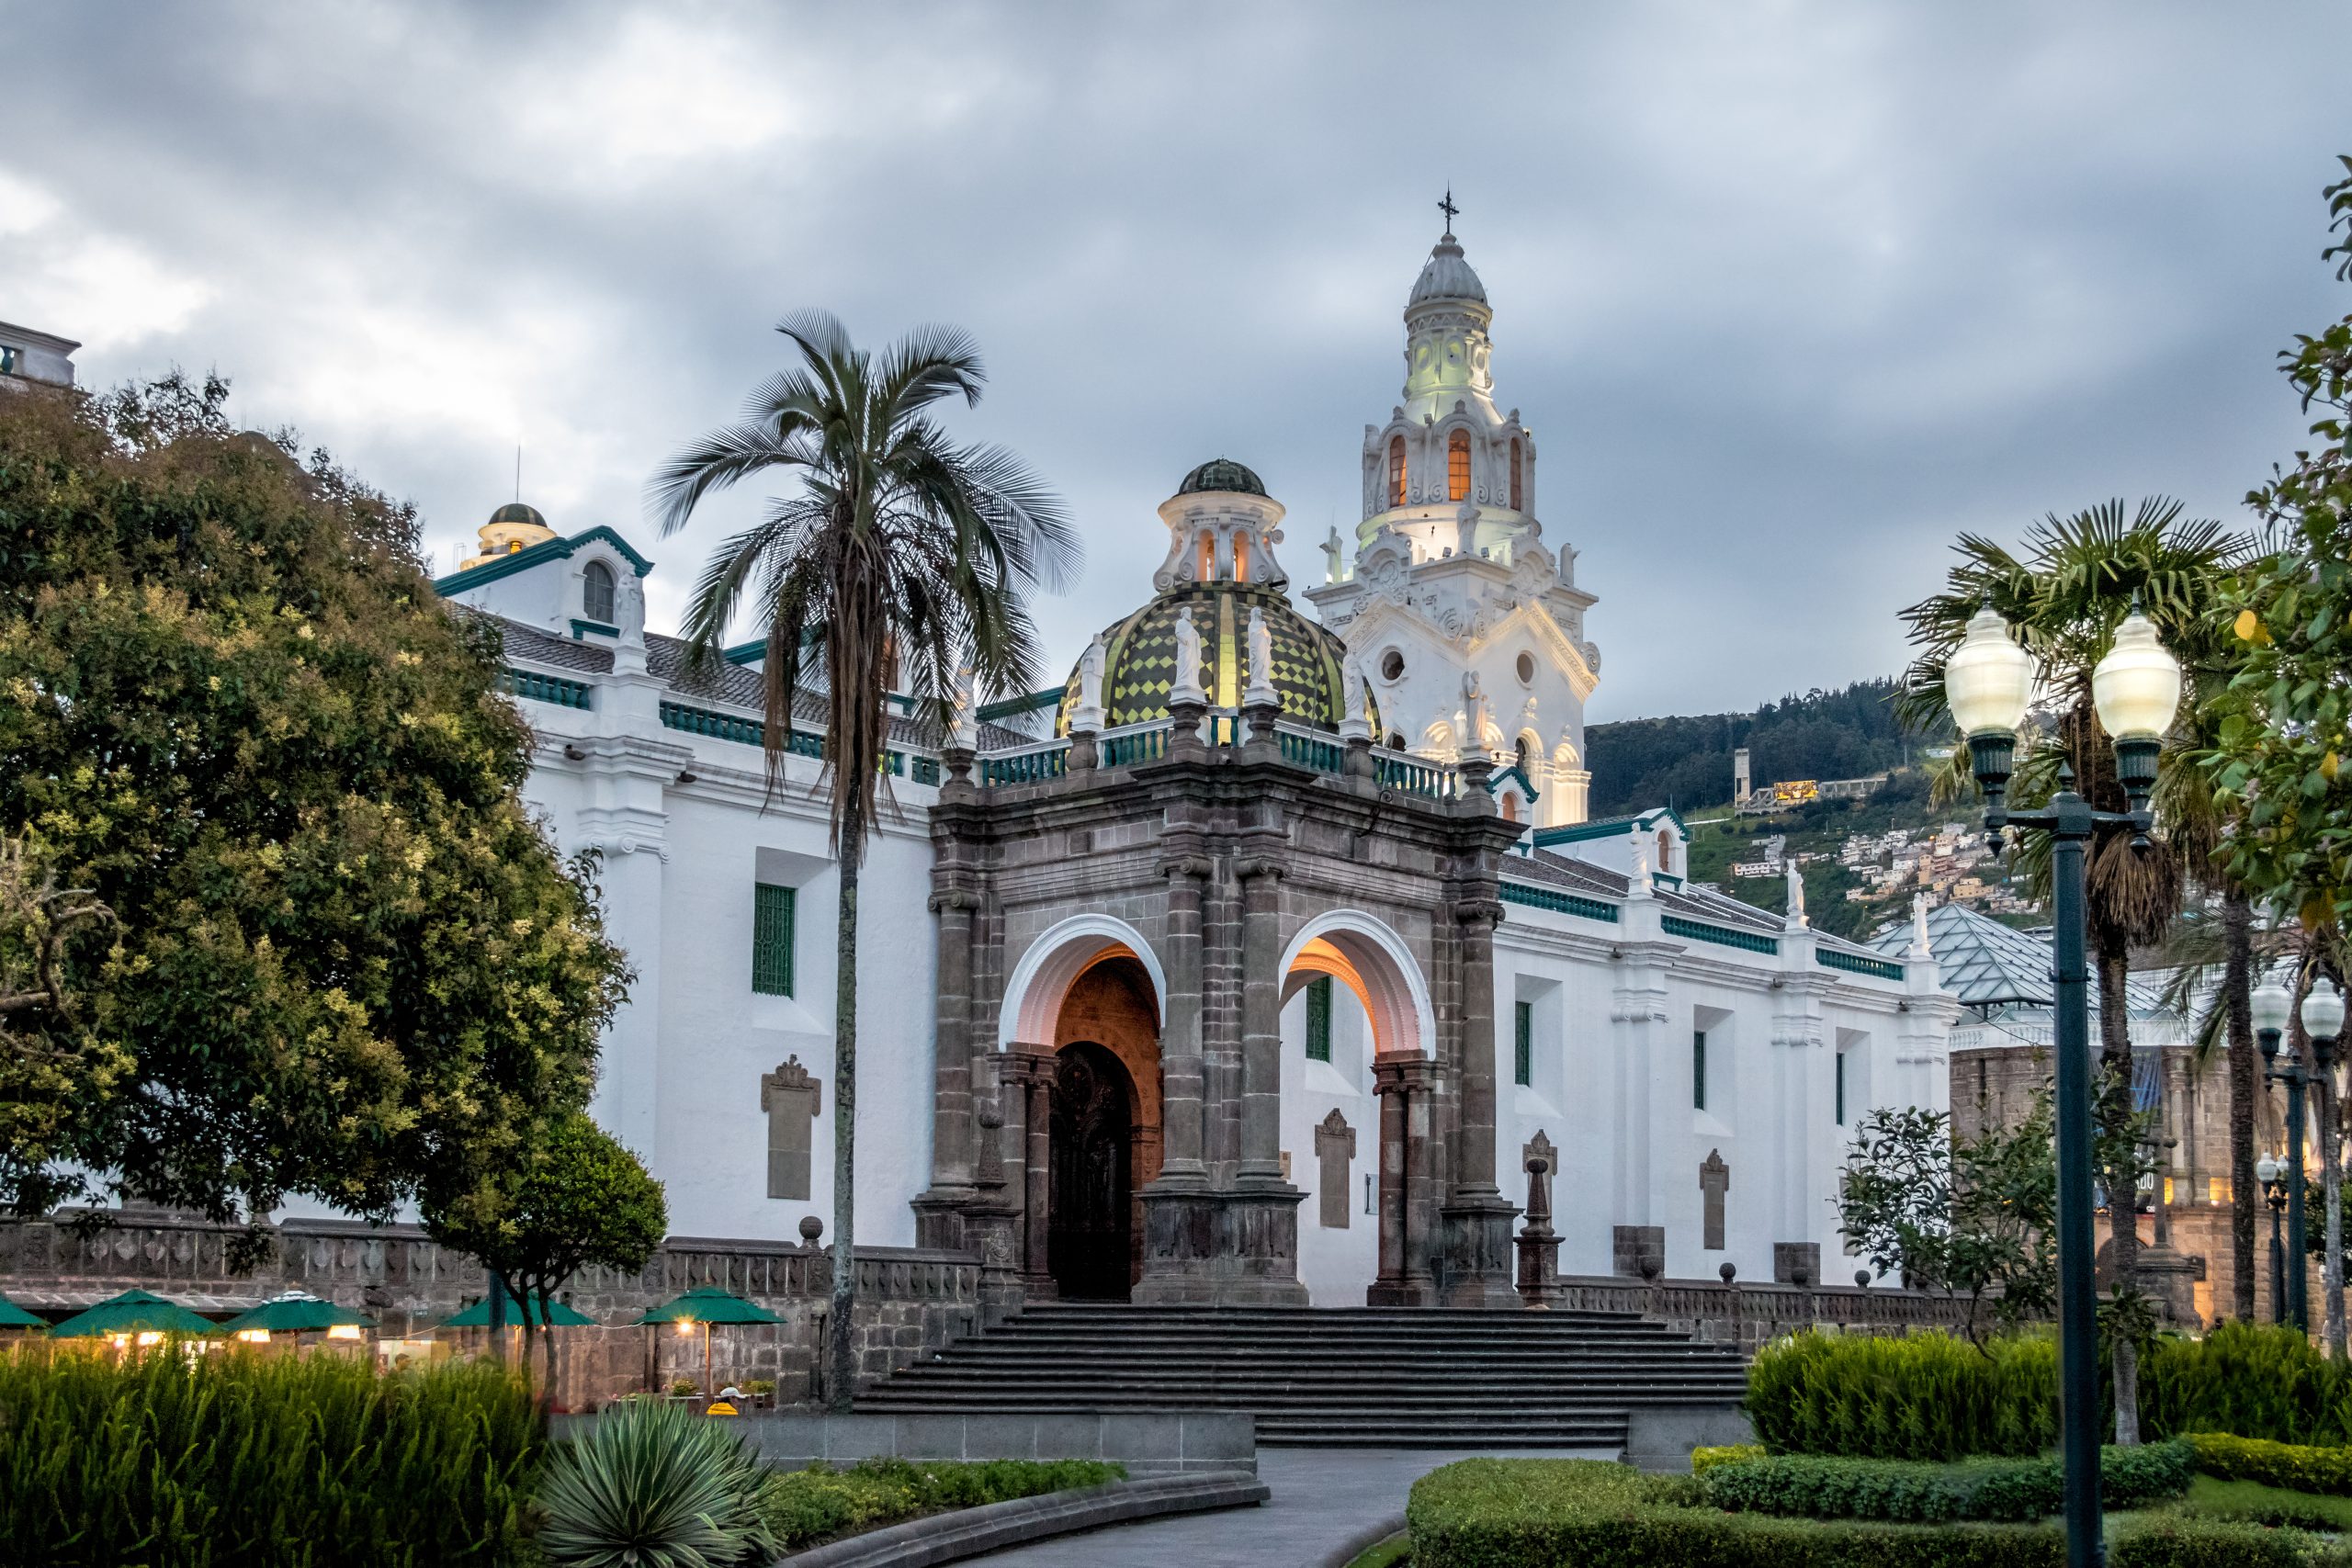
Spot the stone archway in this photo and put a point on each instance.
(1363, 954)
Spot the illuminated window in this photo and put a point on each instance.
(1241, 561)
(597, 593)
(1665, 852)
(1515, 503)
(1396, 470)
(1457, 465)
(1208, 558)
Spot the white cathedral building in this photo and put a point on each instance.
(1251, 966)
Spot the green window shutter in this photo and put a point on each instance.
(1522, 1043)
(1318, 1018)
(1841, 1089)
(1699, 1069)
(772, 940)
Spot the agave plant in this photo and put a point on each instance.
(653, 1485)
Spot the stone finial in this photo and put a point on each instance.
(1920, 946)
(964, 729)
(1187, 687)
(1352, 724)
(1638, 884)
(1728, 1271)
(1796, 916)
(1540, 1160)
(1260, 693)
(812, 1230)
(629, 609)
(1088, 716)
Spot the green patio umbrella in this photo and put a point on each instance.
(559, 1314)
(297, 1312)
(14, 1317)
(707, 1304)
(133, 1312)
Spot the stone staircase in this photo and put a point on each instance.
(1366, 1377)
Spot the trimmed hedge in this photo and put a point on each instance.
(1930, 1396)
(1545, 1513)
(2252, 1502)
(305, 1462)
(1703, 1459)
(1928, 1494)
(2296, 1467)
(809, 1506)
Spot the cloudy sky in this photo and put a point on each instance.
(1792, 292)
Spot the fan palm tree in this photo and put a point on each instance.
(2075, 580)
(902, 560)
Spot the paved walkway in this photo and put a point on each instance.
(1320, 1497)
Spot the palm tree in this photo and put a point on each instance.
(2078, 577)
(902, 560)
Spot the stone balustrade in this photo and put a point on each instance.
(1749, 1316)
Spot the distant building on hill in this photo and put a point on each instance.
(31, 357)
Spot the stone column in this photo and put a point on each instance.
(939, 1218)
(1179, 1037)
(1030, 1068)
(1477, 1215)
(1261, 1040)
(1406, 1085)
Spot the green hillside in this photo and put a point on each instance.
(1683, 761)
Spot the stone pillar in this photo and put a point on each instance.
(939, 1214)
(1028, 1071)
(1179, 1037)
(1538, 1244)
(1407, 1086)
(1478, 1216)
(1261, 1040)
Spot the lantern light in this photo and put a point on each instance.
(2136, 688)
(2265, 1169)
(2323, 1011)
(344, 1331)
(2273, 1004)
(1988, 680)
(253, 1335)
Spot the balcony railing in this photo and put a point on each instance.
(541, 687)
(1131, 744)
(1558, 901)
(1028, 765)
(1721, 936)
(1855, 963)
(1318, 749)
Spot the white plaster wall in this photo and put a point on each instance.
(1336, 1265)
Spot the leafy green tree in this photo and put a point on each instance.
(337, 953)
(1972, 1217)
(903, 560)
(573, 1199)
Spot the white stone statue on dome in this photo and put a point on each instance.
(1088, 718)
(1260, 691)
(1187, 687)
(1352, 722)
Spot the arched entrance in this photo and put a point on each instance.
(1090, 1243)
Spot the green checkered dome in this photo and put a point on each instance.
(1140, 669)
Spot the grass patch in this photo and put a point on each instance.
(2212, 1498)
(1396, 1552)
(805, 1506)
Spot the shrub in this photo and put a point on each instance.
(1927, 1396)
(2252, 1502)
(653, 1485)
(2254, 1381)
(2293, 1466)
(1544, 1513)
(1904, 1490)
(1930, 1396)
(318, 1460)
(809, 1506)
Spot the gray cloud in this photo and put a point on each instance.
(1794, 293)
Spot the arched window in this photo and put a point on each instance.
(1525, 758)
(1396, 470)
(1208, 558)
(1511, 807)
(1457, 465)
(1666, 851)
(597, 593)
(1516, 503)
(1240, 560)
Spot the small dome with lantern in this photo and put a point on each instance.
(1220, 567)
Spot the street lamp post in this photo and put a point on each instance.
(2324, 1023)
(2273, 1004)
(1988, 681)
(2274, 1193)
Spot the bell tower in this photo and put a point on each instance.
(1468, 628)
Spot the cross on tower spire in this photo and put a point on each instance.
(1448, 208)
